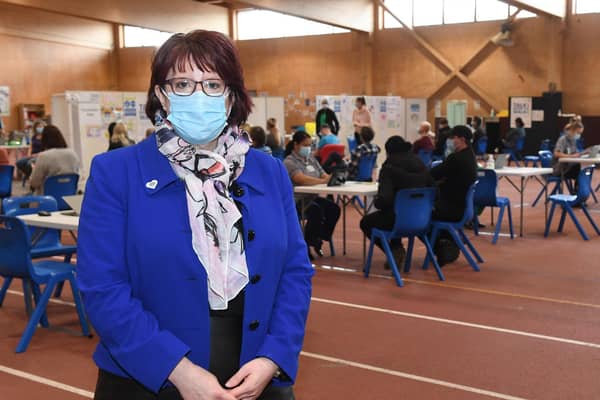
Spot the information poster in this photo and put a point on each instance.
(4, 101)
(520, 107)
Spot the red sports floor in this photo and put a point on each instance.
(526, 327)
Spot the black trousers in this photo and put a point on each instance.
(113, 387)
(383, 220)
(321, 217)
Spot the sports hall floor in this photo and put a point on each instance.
(526, 327)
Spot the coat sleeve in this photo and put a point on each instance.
(131, 334)
(40, 171)
(385, 192)
(335, 122)
(288, 319)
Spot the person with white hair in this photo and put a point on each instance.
(425, 140)
(326, 116)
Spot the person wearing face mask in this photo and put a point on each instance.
(25, 165)
(191, 260)
(326, 116)
(566, 146)
(361, 117)
(453, 177)
(320, 213)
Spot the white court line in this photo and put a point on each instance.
(90, 395)
(418, 316)
(47, 382)
(412, 377)
(459, 323)
(52, 300)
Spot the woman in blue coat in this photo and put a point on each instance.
(191, 262)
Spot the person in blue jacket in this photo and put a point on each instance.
(191, 261)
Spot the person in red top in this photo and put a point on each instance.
(424, 141)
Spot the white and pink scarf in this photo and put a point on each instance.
(215, 220)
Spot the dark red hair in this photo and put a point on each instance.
(210, 51)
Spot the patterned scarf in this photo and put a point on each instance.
(217, 236)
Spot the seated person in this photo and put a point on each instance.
(424, 142)
(259, 139)
(442, 136)
(119, 137)
(401, 170)
(334, 159)
(25, 165)
(513, 136)
(566, 146)
(479, 132)
(55, 159)
(364, 149)
(304, 170)
(326, 137)
(454, 176)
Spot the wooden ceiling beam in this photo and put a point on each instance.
(429, 49)
(536, 10)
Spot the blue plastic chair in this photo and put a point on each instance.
(47, 241)
(351, 143)
(365, 168)
(455, 229)
(482, 144)
(15, 262)
(6, 178)
(567, 202)
(546, 157)
(515, 154)
(61, 185)
(546, 145)
(278, 153)
(485, 196)
(426, 156)
(412, 208)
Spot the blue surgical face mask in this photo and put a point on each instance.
(197, 119)
(39, 130)
(304, 151)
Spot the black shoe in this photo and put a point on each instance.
(399, 255)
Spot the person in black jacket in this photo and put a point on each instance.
(401, 170)
(440, 139)
(454, 176)
(326, 116)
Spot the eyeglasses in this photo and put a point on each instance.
(187, 87)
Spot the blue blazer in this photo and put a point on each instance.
(144, 289)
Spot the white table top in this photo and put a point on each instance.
(349, 188)
(522, 171)
(57, 220)
(16, 147)
(579, 160)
